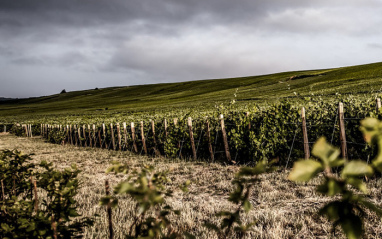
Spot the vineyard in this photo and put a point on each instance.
(226, 134)
(39, 201)
(187, 160)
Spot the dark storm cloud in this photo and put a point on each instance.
(85, 13)
(121, 42)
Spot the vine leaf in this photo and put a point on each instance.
(327, 153)
(369, 127)
(305, 170)
(357, 168)
(357, 183)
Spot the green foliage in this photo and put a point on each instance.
(305, 170)
(254, 133)
(372, 130)
(347, 209)
(201, 95)
(148, 189)
(22, 216)
(56, 136)
(231, 225)
(17, 130)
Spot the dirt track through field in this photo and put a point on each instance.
(282, 208)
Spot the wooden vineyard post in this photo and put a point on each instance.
(189, 123)
(125, 133)
(209, 140)
(156, 151)
(94, 136)
(90, 136)
(305, 135)
(35, 195)
(29, 130)
(84, 131)
(26, 130)
(342, 131)
(112, 135)
(165, 128)
(79, 136)
(71, 134)
(108, 211)
(66, 135)
(75, 135)
(226, 147)
(143, 138)
(249, 122)
(378, 105)
(119, 137)
(79, 130)
(104, 134)
(133, 137)
(41, 130)
(175, 123)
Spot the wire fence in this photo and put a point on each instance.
(249, 137)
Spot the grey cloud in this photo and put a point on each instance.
(148, 41)
(98, 12)
(374, 45)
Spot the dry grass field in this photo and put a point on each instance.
(282, 209)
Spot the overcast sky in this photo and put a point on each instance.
(50, 45)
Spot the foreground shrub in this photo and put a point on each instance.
(231, 225)
(23, 214)
(348, 189)
(147, 189)
(56, 136)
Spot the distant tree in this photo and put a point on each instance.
(96, 88)
(63, 91)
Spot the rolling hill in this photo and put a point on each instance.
(204, 93)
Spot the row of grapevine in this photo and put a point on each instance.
(247, 136)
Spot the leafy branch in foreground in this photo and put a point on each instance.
(231, 223)
(20, 212)
(349, 189)
(147, 189)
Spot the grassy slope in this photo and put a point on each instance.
(355, 79)
(282, 209)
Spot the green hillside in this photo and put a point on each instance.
(204, 93)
